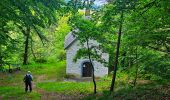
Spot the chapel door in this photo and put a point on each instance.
(87, 69)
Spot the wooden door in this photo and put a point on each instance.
(87, 69)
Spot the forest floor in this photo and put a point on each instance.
(50, 84)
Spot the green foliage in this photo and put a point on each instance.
(53, 50)
(144, 52)
(87, 32)
(75, 6)
(145, 43)
(26, 16)
(62, 56)
(147, 31)
(148, 91)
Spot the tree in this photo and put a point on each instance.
(30, 16)
(148, 30)
(145, 33)
(114, 18)
(86, 32)
(52, 50)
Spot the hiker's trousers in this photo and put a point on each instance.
(28, 85)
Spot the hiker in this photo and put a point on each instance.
(28, 81)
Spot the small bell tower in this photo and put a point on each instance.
(87, 10)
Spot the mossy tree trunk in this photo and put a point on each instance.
(27, 35)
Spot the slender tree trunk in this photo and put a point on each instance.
(1, 62)
(111, 58)
(124, 60)
(9, 70)
(137, 67)
(93, 76)
(32, 50)
(25, 61)
(136, 76)
(117, 53)
(87, 13)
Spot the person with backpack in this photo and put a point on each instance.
(28, 81)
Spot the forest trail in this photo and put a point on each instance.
(46, 95)
(161, 92)
(55, 96)
(15, 81)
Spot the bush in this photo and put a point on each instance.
(69, 76)
(41, 60)
(61, 56)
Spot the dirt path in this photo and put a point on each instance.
(55, 96)
(45, 95)
(0, 98)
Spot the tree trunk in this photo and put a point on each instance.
(93, 76)
(136, 76)
(137, 67)
(1, 62)
(9, 70)
(111, 59)
(124, 60)
(25, 61)
(117, 53)
(33, 50)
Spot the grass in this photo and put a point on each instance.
(50, 79)
(51, 71)
(40, 72)
(73, 88)
(16, 93)
(150, 91)
(12, 86)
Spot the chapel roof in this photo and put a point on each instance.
(70, 39)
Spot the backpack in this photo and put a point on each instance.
(28, 78)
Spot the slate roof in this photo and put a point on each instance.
(70, 39)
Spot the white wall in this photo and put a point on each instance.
(74, 68)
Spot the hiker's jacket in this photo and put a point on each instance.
(28, 78)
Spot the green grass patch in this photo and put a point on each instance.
(12, 85)
(150, 91)
(40, 72)
(73, 87)
(50, 71)
(17, 93)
